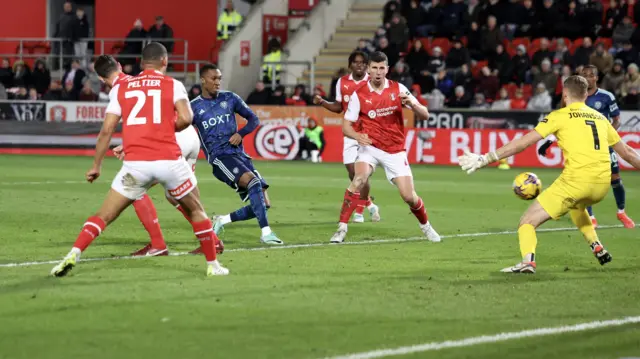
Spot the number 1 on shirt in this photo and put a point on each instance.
(594, 131)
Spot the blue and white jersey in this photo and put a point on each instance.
(215, 119)
(604, 102)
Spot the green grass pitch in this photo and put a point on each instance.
(307, 302)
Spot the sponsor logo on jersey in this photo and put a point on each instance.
(224, 104)
(201, 112)
(371, 114)
(277, 142)
(346, 98)
(181, 189)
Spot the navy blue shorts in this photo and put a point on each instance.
(615, 168)
(229, 169)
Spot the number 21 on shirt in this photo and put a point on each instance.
(133, 118)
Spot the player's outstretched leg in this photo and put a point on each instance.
(531, 219)
(203, 229)
(581, 219)
(242, 214)
(351, 200)
(259, 208)
(148, 216)
(410, 197)
(592, 217)
(111, 208)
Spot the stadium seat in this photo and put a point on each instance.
(511, 89)
(520, 41)
(426, 42)
(576, 43)
(475, 70)
(527, 91)
(441, 42)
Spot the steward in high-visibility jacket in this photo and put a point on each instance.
(274, 54)
(228, 21)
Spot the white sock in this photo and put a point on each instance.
(592, 217)
(76, 251)
(225, 219)
(621, 211)
(266, 231)
(314, 156)
(371, 206)
(214, 263)
(342, 226)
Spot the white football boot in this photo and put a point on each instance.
(430, 233)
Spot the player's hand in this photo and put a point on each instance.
(236, 139)
(471, 162)
(93, 174)
(363, 139)
(317, 100)
(542, 151)
(406, 100)
(118, 151)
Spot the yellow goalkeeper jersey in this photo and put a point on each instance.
(584, 135)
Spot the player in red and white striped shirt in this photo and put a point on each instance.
(377, 106)
(345, 87)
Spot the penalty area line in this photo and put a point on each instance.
(489, 339)
(311, 245)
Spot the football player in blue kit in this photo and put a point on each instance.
(214, 115)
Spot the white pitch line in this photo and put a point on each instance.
(293, 246)
(485, 339)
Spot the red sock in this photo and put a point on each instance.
(204, 232)
(349, 204)
(90, 231)
(179, 208)
(420, 212)
(368, 202)
(360, 208)
(148, 216)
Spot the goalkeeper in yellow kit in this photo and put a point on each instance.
(585, 179)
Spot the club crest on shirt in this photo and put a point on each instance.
(597, 105)
(372, 114)
(393, 97)
(235, 170)
(224, 105)
(346, 98)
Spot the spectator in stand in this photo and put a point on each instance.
(628, 54)
(41, 77)
(601, 59)
(631, 102)
(390, 8)
(459, 99)
(416, 91)
(389, 50)
(54, 93)
(318, 91)
(278, 96)
(503, 103)
(87, 93)
(528, 19)
(432, 20)
(312, 142)
(519, 102)
(474, 42)
(161, 31)
(571, 27)
(415, 16)
(550, 19)
(299, 97)
(3, 92)
(69, 93)
(22, 93)
(612, 81)
(444, 82)
(133, 47)
(540, 55)
(436, 61)
(491, 36)
(259, 96)
(591, 16)
(75, 77)
(474, 11)
(364, 46)
(380, 33)
(464, 78)
(6, 74)
(546, 76)
(80, 31)
(64, 30)
(194, 92)
(614, 13)
(583, 53)
(417, 59)
(21, 74)
(632, 10)
(566, 72)
(521, 65)
(501, 62)
(458, 55)
(479, 102)
(228, 21)
(435, 99)
(398, 33)
(561, 56)
(93, 79)
(622, 32)
(541, 101)
(631, 80)
(400, 73)
(488, 84)
(454, 14)
(509, 18)
(607, 30)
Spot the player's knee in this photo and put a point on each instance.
(245, 179)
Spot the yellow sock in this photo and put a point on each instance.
(528, 239)
(582, 220)
(503, 161)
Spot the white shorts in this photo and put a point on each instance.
(135, 177)
(394, 164)
(189, 143)
(349, 151)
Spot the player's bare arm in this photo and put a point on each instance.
(414, 105)
(334, 107)
(627, 153)
(362, 138)
(102, 145)
(185, 115)
(471, 162)
(615, 122)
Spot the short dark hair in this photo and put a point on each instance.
(378, 56)
(592, 68)
(208, 67)
(576, 86)
(105, 65)
(357, 53)
(153, 52)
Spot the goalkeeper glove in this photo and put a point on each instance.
(471, 162)
(542, 151)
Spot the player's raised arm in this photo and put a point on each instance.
(183, 107)
(336, 106)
